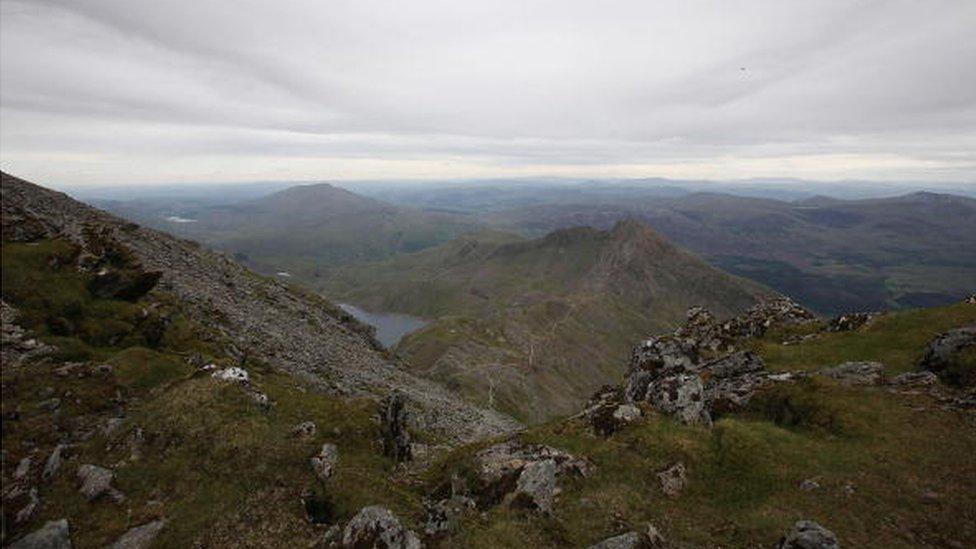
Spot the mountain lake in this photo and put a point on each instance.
(390, 327)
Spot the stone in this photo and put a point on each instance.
(499, 468)
(139, 537)
(681, 396)
(673, 480)
(857, 373)
(53, 463)
(305, 429)
(807, 534)
(325, 461)
(809, 485)
(664, 355)
(233, 373)
(444, 516)
(536, 486)
(393, 425)
(777, 312)
(97, 481)
(650, 538)
(55, 534)
(941, 351)
(850, 322)
(627, 413)
(734, 364)
(377, 527)
(23, 468)
(917, 379)
(27, 511)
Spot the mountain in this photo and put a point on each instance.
(158, 394)
(299, 230)
(831, 255)
(533, 327)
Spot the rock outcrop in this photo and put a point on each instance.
(650, 538)
(377, 527)
(857, 373)
(55, 534)
(942, 351)
(807, 534)
(393, 428)
(523, 475)
(324, 462)
(139, 537)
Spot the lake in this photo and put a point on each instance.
(390, 327)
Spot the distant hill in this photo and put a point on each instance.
(301, 229)
(532, 327)
(831, 255)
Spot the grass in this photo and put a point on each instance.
(895, 339)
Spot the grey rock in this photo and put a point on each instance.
(499, 468)
(809, 485)
(139, 537)
(650, 538)
(918, 379)
(627, 413)
(681, 396)
(735, 364)
(393, 425)
(27, 511)
(305, 429)
(857, 373)
(536, 486)
(325, 461)
(444, 516)
(55, 534)
(53, 463)
(673, 480)
(377, 527)
(807, 534)
(664, 355)
(850, 322)
(23, 468)
(97, 481)
(941, 351)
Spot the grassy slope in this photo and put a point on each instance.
(219, 468)
(744, 474)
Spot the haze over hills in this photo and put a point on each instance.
(301, 229)
(832, 255)
(533, 327)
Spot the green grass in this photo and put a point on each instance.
(895, 339)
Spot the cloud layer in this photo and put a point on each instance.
(118, 91)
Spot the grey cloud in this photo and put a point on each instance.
(888, 84)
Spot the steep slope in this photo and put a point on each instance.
(532, 327)
(293, 331)
(832, 255)
(301, 229)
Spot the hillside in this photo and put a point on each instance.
(300, 230)
(831, 255)
(532, 327)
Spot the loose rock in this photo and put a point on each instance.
(393, 421)
(377, 527)
(536, 486)
(673, 480)
(325, 461)
(53, 535)
(97, 481)
(305, 429)
(140, 537)
(807, 534)
(857, 373)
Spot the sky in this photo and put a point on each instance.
(100, 92)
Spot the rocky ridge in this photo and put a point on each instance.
(294, 331)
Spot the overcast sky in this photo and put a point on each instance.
(109, 92)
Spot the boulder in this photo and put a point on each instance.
(499, 469)
(536, 486)
(917, 379)
(673, 480)
(53, 463)
(305, 429)
(850, 322)
(325, 461)
(97, 481)
(650, 538)
(756, 321)
(942, 350)
(139, 537)
(393, 426)
(53, 535)
(681, 396)
(377, 527)
(807, 534)
(664, 355)
(857, 373)
(444, 516)
(606, 412)
(233, 373)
